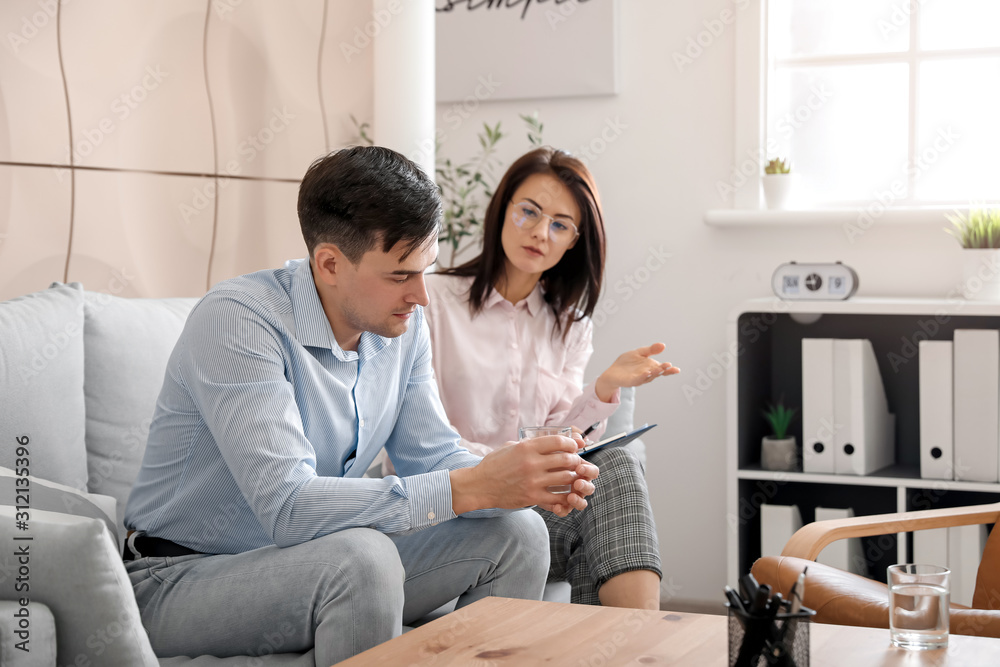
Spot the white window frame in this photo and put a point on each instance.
(751, 84)
(750, 145)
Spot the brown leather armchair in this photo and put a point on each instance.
(848, 599)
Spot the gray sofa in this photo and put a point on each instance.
(79, 375)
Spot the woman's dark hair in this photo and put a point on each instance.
(572, 286)
(356, 196)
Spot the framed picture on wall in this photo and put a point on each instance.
(517, 49)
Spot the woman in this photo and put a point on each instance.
(511, 336)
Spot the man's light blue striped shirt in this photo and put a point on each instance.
(265, 426)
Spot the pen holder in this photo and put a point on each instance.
(760, 640)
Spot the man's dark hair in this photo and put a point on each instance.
(357, 196)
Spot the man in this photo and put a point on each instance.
(250, 510)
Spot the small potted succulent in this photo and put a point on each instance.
(778, 451)
(979, 235)
(777, 182)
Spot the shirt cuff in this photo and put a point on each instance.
(595, 403)
(430, 498)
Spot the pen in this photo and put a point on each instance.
(734, 600)
(760, 599)
(773, 605)
(591, 428)
(748, 587)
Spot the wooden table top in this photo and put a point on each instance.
(493, 632)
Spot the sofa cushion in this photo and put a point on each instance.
(41, 494)
(40, 649)
(41, 383)
(264, 659)
(75, 569)
(128, 343)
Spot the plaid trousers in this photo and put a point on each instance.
(615, 534)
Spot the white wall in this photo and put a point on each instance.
(656, 179)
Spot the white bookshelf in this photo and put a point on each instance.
(765, 336)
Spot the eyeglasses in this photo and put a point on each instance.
(527, 216)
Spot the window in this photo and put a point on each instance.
(889, 100)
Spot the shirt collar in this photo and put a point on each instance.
(312, 327)
(534, 302)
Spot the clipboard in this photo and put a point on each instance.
(615, 440)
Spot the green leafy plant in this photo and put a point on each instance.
(466, 188)
(362, 130)
(535, 128)
(979, 229)
(779, 417)
(778, 166)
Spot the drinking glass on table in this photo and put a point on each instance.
(528, 432)
(918, 606)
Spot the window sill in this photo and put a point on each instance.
(862, 217)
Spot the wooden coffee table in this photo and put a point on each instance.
(501, 631)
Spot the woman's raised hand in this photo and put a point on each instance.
(632, 369)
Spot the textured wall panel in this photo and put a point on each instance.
(33, 125)
(34, 228)
(136, 83)
(258, 228)
(145, 205)
(262, 63)
(131, 225)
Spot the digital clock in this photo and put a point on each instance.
(794, 281)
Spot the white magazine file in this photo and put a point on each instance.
(864, 429)
(777, 525)
(936, 409)
(817, 405)
(977, 400)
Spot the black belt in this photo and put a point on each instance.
(153, 546)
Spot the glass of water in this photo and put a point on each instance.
(918, 606)
(528, 432)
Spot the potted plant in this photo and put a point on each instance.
(979, 235)
(778, 450)
(777, 183)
